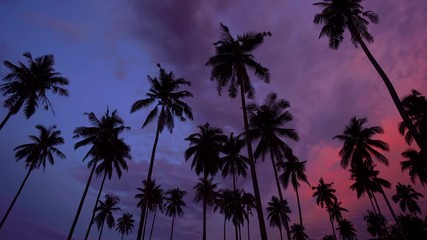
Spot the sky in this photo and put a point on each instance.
(107, 48)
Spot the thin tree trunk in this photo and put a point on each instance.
(376, 203)
(204, 219)
(393, 214)
(225, 225)
(123, 235)
(280, 231)
(17, 195)
(279, 190)
(9, 114)
(411, 127)
(173, 220)
(262, 229)
(299, 206)
(236, 232)
(249, 235)
(145, 225)
(240, 233)
(141, 220)
(76, 218)
(102, 228)
(152, 224)
(234, 181)
(333, 228)
(372, 203)
(94, 208)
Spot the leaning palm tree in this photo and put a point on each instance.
(42, 149)
(27, 85)
(266, 124)
(105, 212)
(407, 198)
(298, 232)
(229, 69)
(222, 203)
(376, 224)
(275, 210)
(248, 202)
(293, 171)
(174, 204)
(346, 230)
(165, 94)
(335, 213)
(125, 224)
(416, 165)
(338, 15)
(233, 162)
(325, 196)
(358, 145)
(415, 104)
(109, 126)
(205, 192)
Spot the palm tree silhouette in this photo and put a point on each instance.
(338, 15)
(416, 165)
(233, 162)
(97, 135)
(125, 224)
(298, 232)
(376, 224)
(205, 192)
(165, 94)
(325, 196)
(174, 204)
(27, 85)
(293, 171)
(358, 145)
(105, 212)
(41, 149)
(266, 124)
(334, 211)
(415, 104)
(407, 198)
(229, 68)
(222, 202)
(275, 210)
(249, 203)
(346, 230)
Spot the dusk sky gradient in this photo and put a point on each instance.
(107, 48)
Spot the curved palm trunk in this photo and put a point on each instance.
(17, 195)
(102, 228)
(393, 214)
(173, 221)
(376, 203)
(299, 206)
(145, 225)
(260, 214)
(411, 127)
(279, 190)
(372, 203)
(152, 224)
(76, 218)
(204, 219)
(9, 114)
(94, 208)
(333, 228)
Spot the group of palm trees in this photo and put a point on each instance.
(211, 150)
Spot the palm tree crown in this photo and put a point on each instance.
(105, 212)
(174, 202)
(407, 198)
(233, 162)
(416, 165)
(151, 194)
(325, 193)
(415, 104)
(346, 230)
(125, 224)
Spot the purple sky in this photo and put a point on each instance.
(107, 48)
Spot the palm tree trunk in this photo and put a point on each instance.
(376, 203)
(299, 206)
(225, 225)
(204, 218)
(145, 225)
(17, 195)
(173, 221)
(94, 208)
(372, 203)
(152, 224)
(240, 233)
(123, 234)
(236, 232)
(280, 231)
(411, 127)
(76, 218)
(141, 220)
(260, 214)
(279, 190)
(333, 228)
(234, 181)
(102, 228)
(9, 114)
(249, 235)
(393, 214)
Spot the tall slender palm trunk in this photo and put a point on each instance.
(411, 127)
(399, 226)
(173, 221)
(262, 229)
(17, 195)
(225, 225)
(299, 206)
(94, 208)
(236, 232)
(152, 224)
(281, 234)
(102, 228)
(279, 190)
(150, 172)
(9, 114)
(145, 225)
(333, 228)
(76, 218)
(249, 233)
(204, 218)
(376, 204)
(240, 233)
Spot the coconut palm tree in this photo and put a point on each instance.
(415, 104)
(407, 198)
(338, 15)
(376, 224)
(105, 212)
(346, 230)
(266, 124)
(42, 148)
(335, 213)
(222, 203)
(125, 224)
(298, 232)
(205, 192)
(229, 68)
(358, 145)
(102, 130)
(165, 94)
(416, 165)
(174, 204)
(248, 202)
(233, 162)
(27, 85)
(325, 196)
(275, 210)
(293, 171)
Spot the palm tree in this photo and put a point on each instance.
(346, 230)
(415, 104)
(165, 94)
(298, 232)
(358, 145)
(105, 212)
(234, 163)
(41, 149)
(174, 204)
(229, 68)
(416, 165)
(96, 135)
(376, 224)
(407, 198)
(248, 202)
(125, 224)
(222, 202)
(325, 197)
(27, 85)
(338, 15)
(334, 211)
(293, 171)
(205, 192)
(275, 210)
